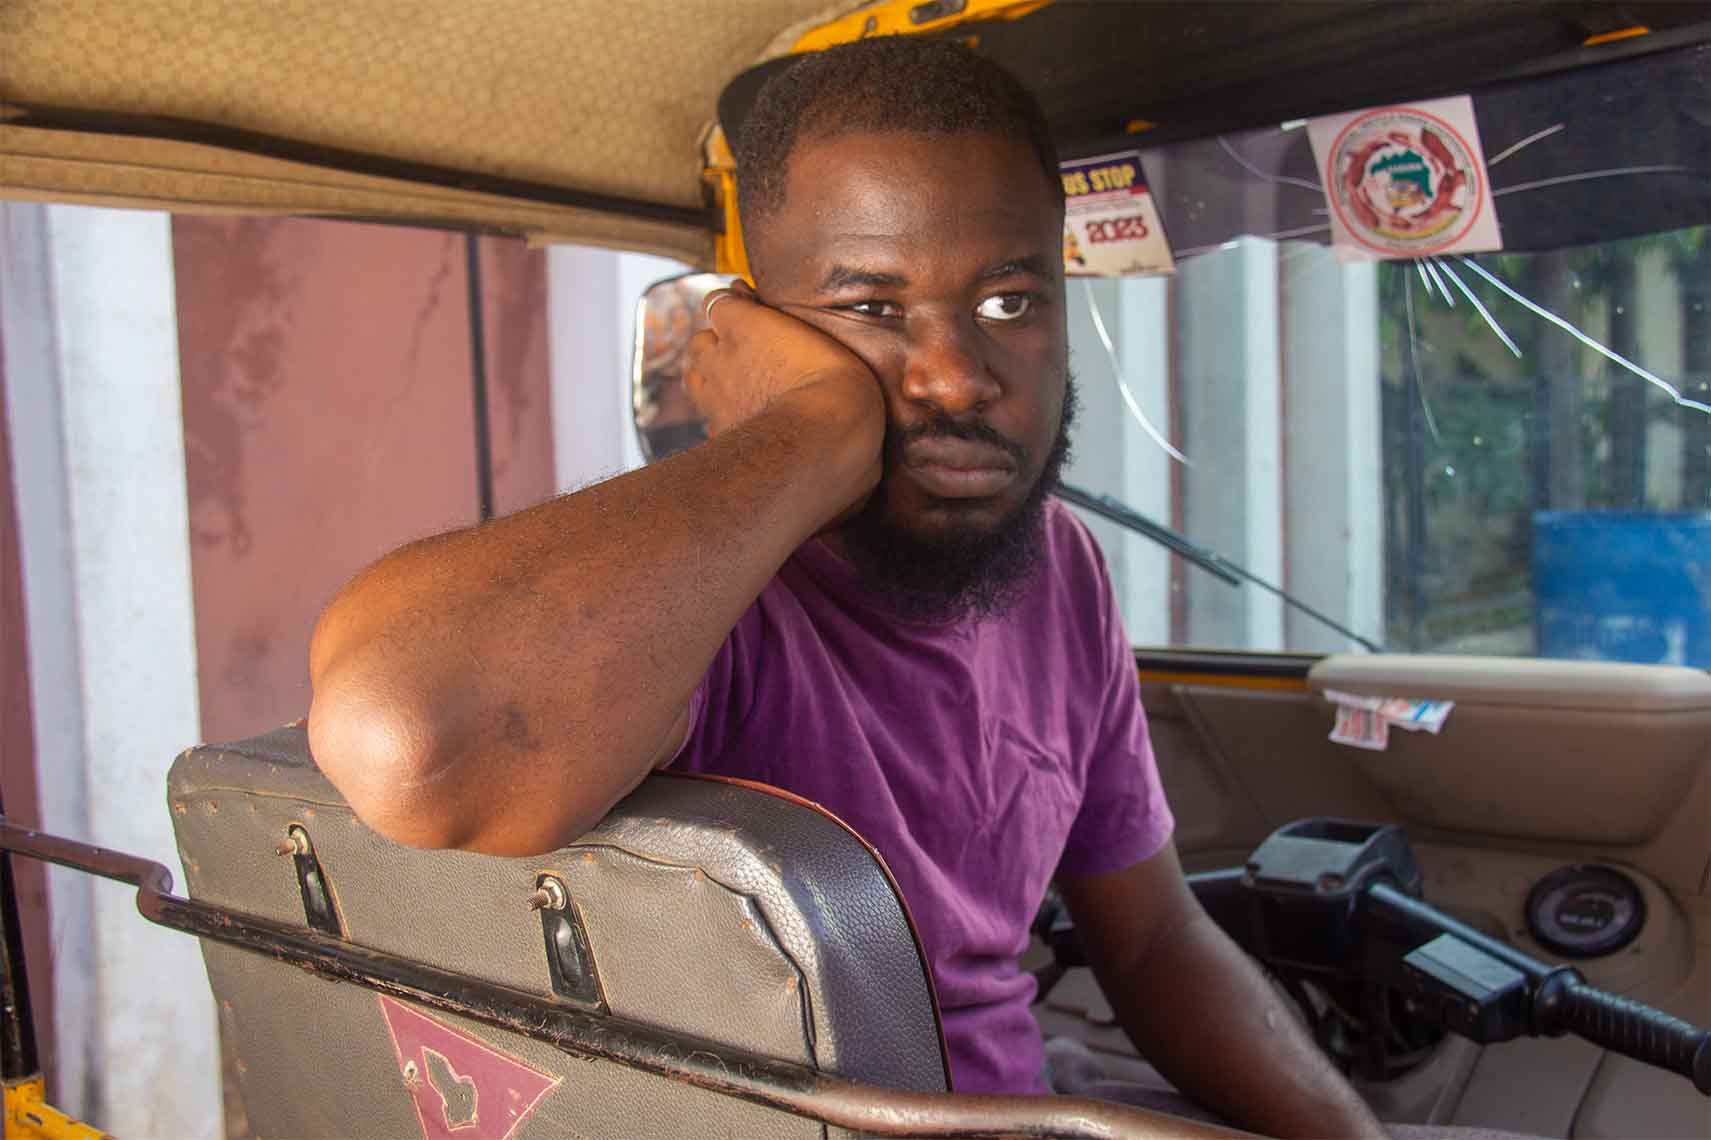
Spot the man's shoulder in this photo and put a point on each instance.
(1069, 600)
(1070, 548)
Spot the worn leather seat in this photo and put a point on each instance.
(716, 909)
(710, 908)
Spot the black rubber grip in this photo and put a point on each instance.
(1637, 1030)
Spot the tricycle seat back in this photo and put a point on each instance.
(709, 910)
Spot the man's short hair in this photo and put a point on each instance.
(887, 83)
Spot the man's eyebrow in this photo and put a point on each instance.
(1034, 263)
(851, 276)
(847, 276)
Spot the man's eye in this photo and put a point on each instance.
(874, 308)
(1005, 307)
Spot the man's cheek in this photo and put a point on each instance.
(875, 347)
(886, 361)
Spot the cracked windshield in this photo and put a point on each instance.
(1498, 451)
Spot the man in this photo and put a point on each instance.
(857, 589)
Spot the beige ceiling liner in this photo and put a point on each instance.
(576, 96)
(103, 170)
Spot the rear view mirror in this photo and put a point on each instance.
(668, 314)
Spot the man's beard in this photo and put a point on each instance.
(959, 573)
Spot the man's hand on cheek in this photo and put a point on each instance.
(751, 356)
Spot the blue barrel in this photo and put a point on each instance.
(1623, 586)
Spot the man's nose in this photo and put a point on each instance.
(946, 370)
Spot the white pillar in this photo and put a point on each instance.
(90, 328)
(1657, 293)
(1097, 461)
(1145, 353)
(1334, 487)
(1227, 324)
(40, 475)
(1113, 453)
(591, 315)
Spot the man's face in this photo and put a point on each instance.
(937, 259)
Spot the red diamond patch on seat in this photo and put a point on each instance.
(463, 1088)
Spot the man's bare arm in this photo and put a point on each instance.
(1198, 1009)
(499, 688)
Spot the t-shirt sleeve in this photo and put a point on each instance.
(720, 703)
(1124, 817)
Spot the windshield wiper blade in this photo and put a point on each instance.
(1210, 561)
(1126, 516)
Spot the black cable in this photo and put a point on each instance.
(478, 377)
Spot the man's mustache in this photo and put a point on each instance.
(943, 427)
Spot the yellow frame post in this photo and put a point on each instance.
(30, 1117)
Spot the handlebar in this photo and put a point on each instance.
(1338, 901)
(1636, 1030)
(1450, 960)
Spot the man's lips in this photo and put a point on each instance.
(952, 468)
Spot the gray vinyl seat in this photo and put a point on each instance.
(719, 910)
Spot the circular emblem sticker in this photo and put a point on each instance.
(1404, 182)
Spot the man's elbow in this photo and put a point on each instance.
(386, 760)
(400, 768)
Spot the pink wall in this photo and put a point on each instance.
(328, 415)
(519, 378)
(18, 766)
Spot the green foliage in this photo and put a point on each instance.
(1476, 472)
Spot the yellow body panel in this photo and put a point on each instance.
(1223, 680)
(30, 1117)
(729, 253)
(895, 18)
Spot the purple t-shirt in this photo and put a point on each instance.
(979, 758)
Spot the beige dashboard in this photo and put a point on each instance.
(1541, 765)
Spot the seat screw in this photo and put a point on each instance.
(549, 895)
